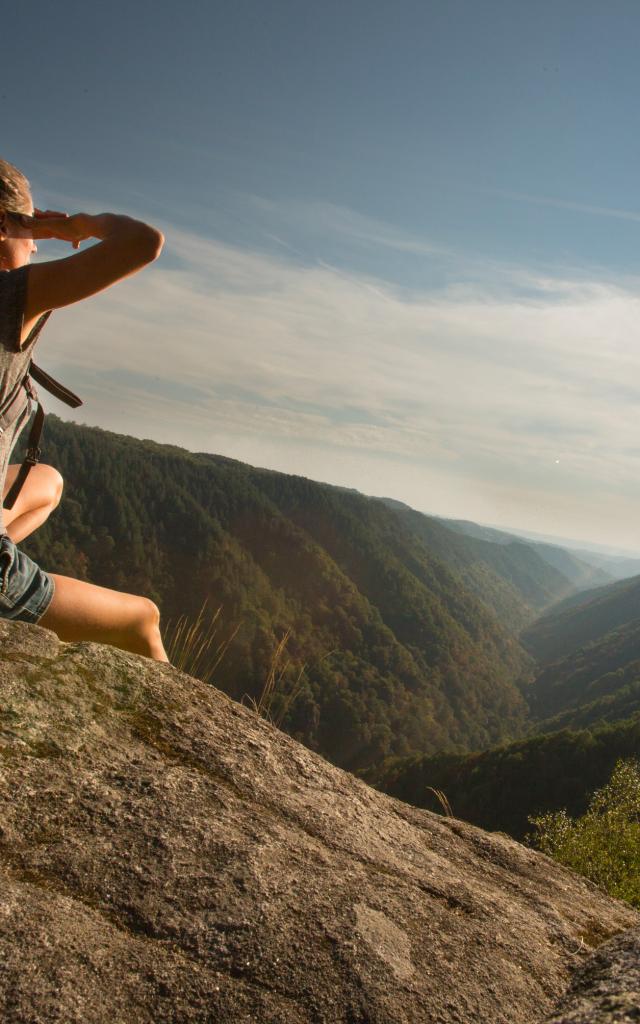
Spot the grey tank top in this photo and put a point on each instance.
(14, 361)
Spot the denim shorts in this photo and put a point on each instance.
(25, 590)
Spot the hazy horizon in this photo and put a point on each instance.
(403, 244)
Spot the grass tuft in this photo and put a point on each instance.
(279, 690)
(195, 647)
(443, 801)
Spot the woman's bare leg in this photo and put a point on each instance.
(83, 611)
(40, 494)
(79, 610)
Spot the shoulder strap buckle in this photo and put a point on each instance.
(33, 455)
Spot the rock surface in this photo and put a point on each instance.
(167, 856)
(606, 989)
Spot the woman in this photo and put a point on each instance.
(71, 608)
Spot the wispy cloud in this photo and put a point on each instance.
(340, 222)
(567, 204)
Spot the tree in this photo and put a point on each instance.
(604, 844)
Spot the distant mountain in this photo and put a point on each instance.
(579, 571)
(618, 567)
(472, 529)
(518, 579)
(615, 564)
(582, 619)
(570, 543)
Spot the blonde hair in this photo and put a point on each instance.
(15, 190)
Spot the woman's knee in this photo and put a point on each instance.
(138, 629)
(148, 639)
(148, 617)
(57, 486)
(52, 484)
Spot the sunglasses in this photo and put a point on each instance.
(23, 219)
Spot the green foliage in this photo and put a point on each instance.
(603, 844)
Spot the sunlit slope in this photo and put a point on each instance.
(582, 619)
(517, 578)
(389, 651)
(598, 682)
(576, 569)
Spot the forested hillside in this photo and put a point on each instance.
(600, 681)
(517, 578)
(402, 634)
(582, 619)
(585, 714)
(390, 652)
(499, 789)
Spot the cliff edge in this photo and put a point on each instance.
(168, 856)
(606, 989)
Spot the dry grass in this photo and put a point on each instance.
(442, 800)
(278, 687)
(196, 647)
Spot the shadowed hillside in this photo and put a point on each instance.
(585, 709)
(499, 789)
(582, 619)
(598, 682)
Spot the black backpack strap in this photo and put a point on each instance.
(33, 456)
(33, 444)
(54, 387)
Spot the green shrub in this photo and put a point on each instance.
(604, 844)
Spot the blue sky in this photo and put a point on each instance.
(403, 240)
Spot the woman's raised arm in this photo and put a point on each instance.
(125, 246)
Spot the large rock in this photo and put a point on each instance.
(167, 856)
(606, 989)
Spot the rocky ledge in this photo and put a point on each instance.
(168, 856)
(606, 989)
